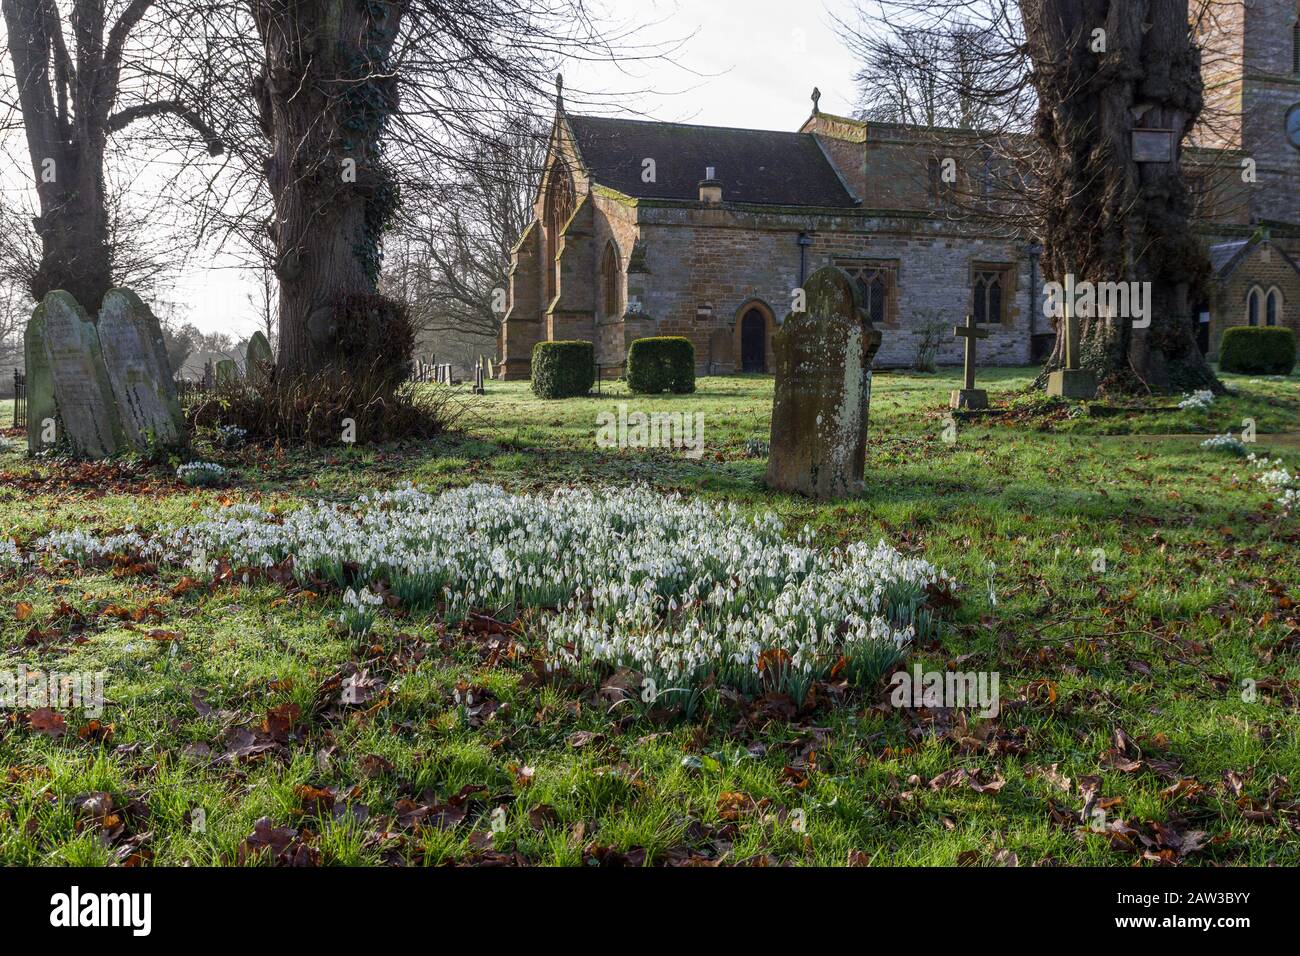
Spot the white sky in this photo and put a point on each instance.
(757, 62)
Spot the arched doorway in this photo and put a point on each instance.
(753, 341)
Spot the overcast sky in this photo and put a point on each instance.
(748, 63)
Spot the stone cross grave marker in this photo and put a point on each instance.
(968, 396)
(139, 373)
(1071, 381)
(81, 386)
(259, 360)
(41, 406)
(823, 391)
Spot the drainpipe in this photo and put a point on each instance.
(1035, 252)
(804, 243)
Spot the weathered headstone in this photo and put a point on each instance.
(135, 358)
(226, 371)
(81, 386)
(41, 407)
(1072, 381)
(259, 360)
(968, 396)
(823, 391)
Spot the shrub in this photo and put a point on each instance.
(665, 363)
(1257, 351)
(312, 410)
(563, 369)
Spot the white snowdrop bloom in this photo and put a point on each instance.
(680, 590)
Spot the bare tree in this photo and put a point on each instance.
(360, 103)
(1088, 72)
(448, 255)
(83, 72)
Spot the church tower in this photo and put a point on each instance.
(1251, 66)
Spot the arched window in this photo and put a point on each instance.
(988, 284)
(1273, 307)
(611, 282)
(559, 207)
(1252, 307)
(877, 296)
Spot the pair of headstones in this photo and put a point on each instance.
(822, 402)
(108, 383)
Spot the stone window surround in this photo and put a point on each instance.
(1007, 274)
(891, 269)
(1273, 297)
(611, 292)
(1254, 306)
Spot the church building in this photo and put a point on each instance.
(647, 228)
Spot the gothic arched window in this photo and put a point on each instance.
(1252, 307)
(1273, 307)
(989, 283)
(559, 207)
(611, 281)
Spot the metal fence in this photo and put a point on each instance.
(20, 399)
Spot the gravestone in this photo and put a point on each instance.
(139, 372)
(823, 361)
(259, 360)
(968, 396)
(1072, 381)
(41, 407)
(82, 390)
(226, 371)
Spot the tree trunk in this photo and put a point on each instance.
(67, 156)
(324, 96)
(1110, 218)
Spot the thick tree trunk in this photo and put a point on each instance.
(67, 153)
(324, 96)
(1110, 218)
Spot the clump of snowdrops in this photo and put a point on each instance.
(680, 593)
(199, 474)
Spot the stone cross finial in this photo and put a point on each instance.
(559, 91)
(816, 98)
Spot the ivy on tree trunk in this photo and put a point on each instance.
(324, 97)
(1110, 218)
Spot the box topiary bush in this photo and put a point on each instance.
(1252, 350)
(563, 369)
(664, 363)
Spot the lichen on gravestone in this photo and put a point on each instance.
(42, 411)
(139, 372)
(823, 391)
(82, 391)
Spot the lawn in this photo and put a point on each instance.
(1137, 595)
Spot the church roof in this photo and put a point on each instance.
(1226, 257)
(754, 166)
(1225, 254)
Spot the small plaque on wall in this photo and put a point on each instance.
(1153, 146)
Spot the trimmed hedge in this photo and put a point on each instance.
(1257, 350)
(563, 369)
(664, 363)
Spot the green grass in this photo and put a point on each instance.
(1199, 593)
